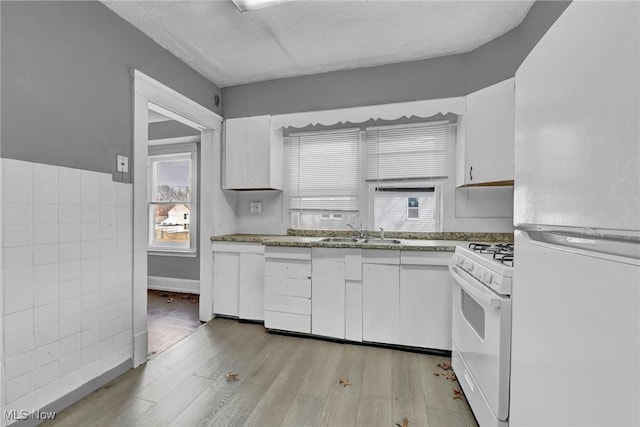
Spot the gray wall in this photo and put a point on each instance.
(66, 84)
(447, 76)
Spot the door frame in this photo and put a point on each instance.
(151, 94)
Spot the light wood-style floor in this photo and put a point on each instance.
(283, 380)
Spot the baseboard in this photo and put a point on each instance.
(171, 284)
(74, 396)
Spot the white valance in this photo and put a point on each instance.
(423, 109)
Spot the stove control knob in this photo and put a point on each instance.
(477, 272)
(486, 277)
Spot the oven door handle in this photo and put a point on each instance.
(483, 296)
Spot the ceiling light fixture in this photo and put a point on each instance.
(247, 5)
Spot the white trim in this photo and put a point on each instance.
(171, 284)
(423, 109)
(176, 140)
(178, 118)
(148, 91)
(163, 96)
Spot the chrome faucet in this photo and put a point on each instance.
(360, 231)
(381, 233)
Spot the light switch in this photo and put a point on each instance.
(122, 163)
(255, 207)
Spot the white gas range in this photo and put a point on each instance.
(481, 328)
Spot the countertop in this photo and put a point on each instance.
(446, 242)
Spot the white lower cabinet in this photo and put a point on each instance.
(406, 298)
(336, 293)
(226, 282)
(251, 287)
(287, 291)
(380, 296)
(425, 300)
(238, 280)
(328, 298)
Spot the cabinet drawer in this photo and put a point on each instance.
(287, 252)
(287, 304)
(287, 321)
(288, 268)
(287, 286)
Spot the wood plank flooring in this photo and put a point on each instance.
(283, 381)
(171, 316)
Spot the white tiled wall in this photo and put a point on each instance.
(67, 280)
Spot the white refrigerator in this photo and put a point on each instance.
(575, 355)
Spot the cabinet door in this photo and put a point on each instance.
(251, 287)
(353, 310)
(225, 283)
(236, 152)
(328, 298)
(258, 155)
(380, 303)
(490, 134)
(425, 306)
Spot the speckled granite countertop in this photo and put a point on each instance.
(440, 242)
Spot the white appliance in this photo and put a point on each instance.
(575, 355)
(481, 328)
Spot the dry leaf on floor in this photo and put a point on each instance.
(436, 374)
(232, 376)
(344, 382)
(405, 422)
(457, 394)
(445, 365)
(451, 376)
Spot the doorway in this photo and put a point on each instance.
(152, 96)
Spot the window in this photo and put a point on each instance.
(399, 159)
(405, 209)
(407, 152)
(394, 184)
(324, 178)
(172, 198)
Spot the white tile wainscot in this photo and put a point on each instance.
(66, 280)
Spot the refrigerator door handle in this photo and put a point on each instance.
(613, 249)
(482, 295)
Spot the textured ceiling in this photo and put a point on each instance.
(308, 37)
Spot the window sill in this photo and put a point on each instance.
(174, 253)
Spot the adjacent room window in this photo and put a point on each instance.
(172, 198)
(324, 178)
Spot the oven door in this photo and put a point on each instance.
(481, 327)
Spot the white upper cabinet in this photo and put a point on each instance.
(486, 134)
(253, 154)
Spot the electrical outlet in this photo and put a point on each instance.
(255, 207)
(122, 163)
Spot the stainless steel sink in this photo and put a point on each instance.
(342, 240)
(370, 241)
(384, 241)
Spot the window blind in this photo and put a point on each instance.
(407, 152)
(324, 170)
